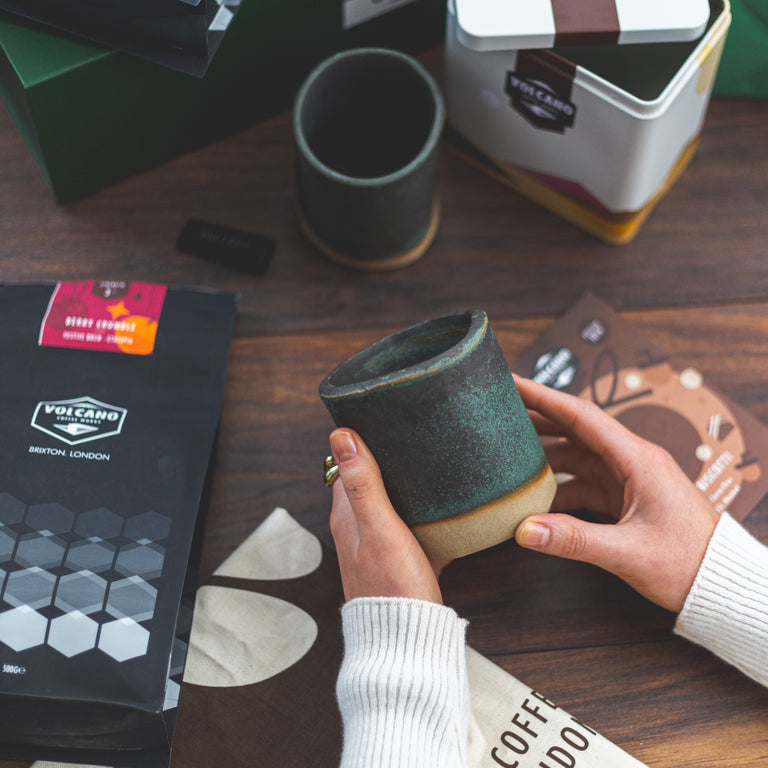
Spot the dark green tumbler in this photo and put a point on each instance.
(437, 405)
(367, 124)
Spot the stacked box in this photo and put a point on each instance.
(93, 116)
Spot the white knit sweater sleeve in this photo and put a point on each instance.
(402, 688)
(726, 610)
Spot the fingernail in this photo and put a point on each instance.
(533, 535)
(343, 446)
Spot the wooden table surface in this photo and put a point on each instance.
(695, 278)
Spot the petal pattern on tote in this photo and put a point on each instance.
(279, 548)
(241, 638)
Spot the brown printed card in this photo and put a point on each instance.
(596, 354)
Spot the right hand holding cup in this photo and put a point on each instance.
(661, 524)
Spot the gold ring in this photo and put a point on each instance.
(331, 471)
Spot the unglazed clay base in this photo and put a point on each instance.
(488, 525)
(385, 264)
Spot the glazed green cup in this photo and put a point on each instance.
(367, 124)
(437, 405)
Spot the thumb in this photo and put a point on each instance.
(364, 489)
(574, 539)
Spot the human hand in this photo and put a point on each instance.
(378, 554)
(661, 522)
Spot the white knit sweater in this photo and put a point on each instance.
(402, 689)
(727, 608)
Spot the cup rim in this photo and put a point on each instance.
(476, 327)
(431, 140)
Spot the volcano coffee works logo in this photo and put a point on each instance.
(539, 103)
(556, 369)
(79, 420)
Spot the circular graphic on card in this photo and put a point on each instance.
(678, 411)
(668, 429)
(241, 638)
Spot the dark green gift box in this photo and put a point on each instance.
(93, 116)
(743, 67)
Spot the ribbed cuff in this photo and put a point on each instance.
(726, 610)
(402, 689)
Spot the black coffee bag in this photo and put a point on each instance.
(110, 398)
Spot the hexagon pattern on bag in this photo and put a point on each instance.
(78, 581)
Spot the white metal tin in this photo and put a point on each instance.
(635, 112)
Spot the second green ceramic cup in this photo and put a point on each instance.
(367, 124)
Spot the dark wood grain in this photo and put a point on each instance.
(690, 712)
(706, 242)
(695, 279)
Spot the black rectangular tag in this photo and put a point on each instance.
(235, 248)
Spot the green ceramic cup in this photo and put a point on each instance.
(438, 407)
(367, 124)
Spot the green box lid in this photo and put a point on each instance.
(37, 55)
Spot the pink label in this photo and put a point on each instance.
(103, 315)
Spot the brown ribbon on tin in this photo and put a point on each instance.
(588, 22)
